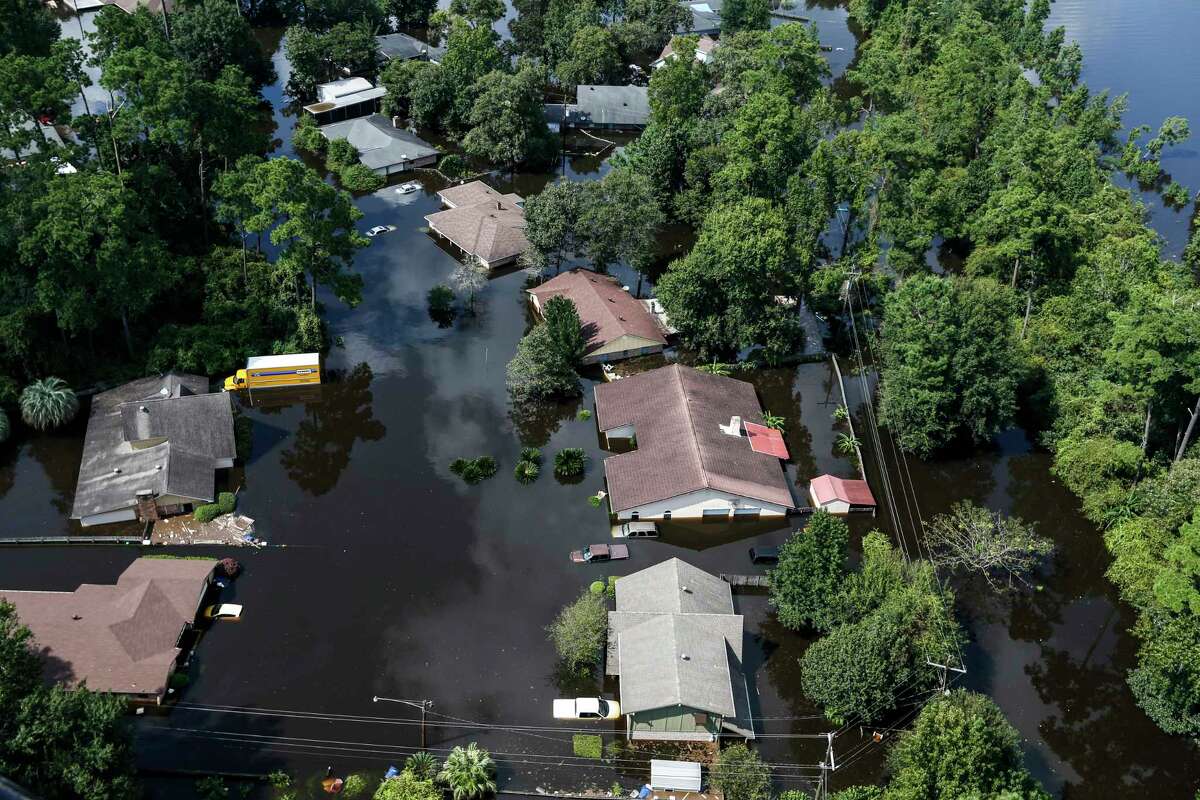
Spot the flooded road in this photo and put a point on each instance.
(391, 577)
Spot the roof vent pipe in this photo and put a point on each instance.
(685, 590)
(144, 409)
(685, 656)
(734, 428)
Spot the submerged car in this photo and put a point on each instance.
(378, 229)
(764, 555)
(230, 611)
(600, 552)
(408, 188)
(587, 708)
(636, 530)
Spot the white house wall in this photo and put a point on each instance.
(123, 515)
(693, 505)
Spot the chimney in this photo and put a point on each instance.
(143, 409)
(734, 428)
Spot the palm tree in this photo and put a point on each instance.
(716, 368)
(48, 403)
(422, 765)
(469, 772)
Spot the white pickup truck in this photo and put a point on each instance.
(587, 708)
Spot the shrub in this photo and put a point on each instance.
(227, 501)
(48, 403)
(211, 787)
(578, 632)
(531, 454)
(408, 786)
(584, 415)
(178, 680)
(569, 462)
(741, 775)
(360, 178)
(230, 567)
(595, 500)
(611, 588)
(454, 166)
(526, 471)
(354, 786)
(340, 153)
(207, 512)
(587, 745)
(440, 302)
(615, 790)
(474, 470)
(596, 587)
(307, 137)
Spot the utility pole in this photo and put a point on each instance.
(945, 670)
(423, 705)
(827, 766)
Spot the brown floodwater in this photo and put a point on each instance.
(389, 576)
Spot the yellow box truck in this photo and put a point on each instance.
(266, 372)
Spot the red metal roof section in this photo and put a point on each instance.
(766, 440)
(827, 488)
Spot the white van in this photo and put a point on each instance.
(636, 530)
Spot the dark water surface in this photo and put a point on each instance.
(394, 578)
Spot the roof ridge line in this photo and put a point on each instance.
(687, 406)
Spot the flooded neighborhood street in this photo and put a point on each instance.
(387, 576)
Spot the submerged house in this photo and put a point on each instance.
(152, 449)
(840, 495)
(345, 99)
(402, 47)
(706, 17)
(616, 325)
(675, 643)
(702, 451)
(705, 46)
(124, 638)
(602, 107)
(482, 223)
(383, 147)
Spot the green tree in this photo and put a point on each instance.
(960, 746)
(311, 222)
(745, 15)
(722, 295)
(26, 28)
(418, 89)
(739, 774)
(469, 772)
(424, 765)
(812, 565)
(619, 221)
(411, 13)
(564, 328)
(592, 58)
(1166, 681)
(678, 88)
(949, 362)
(552, 223)
(319, 57)
(538, 371)
(578, 632)
(211, 35)
(472, 51)
(508, 125)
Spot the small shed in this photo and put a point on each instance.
(839, 495)
(682, 776)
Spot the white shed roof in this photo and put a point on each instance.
(340, 88)
(682, 776)
(289, 360)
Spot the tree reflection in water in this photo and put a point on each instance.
(325, 437)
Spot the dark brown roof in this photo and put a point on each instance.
(481, 221)
(118, 638)
(606, 310)
(676, 413)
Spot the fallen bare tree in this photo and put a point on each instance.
(1002, 549)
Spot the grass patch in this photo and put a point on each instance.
(587, 745)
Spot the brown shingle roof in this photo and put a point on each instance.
(118, 638)
(481, 221)
(606, 310)
(676, 413)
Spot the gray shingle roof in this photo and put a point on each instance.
(675, 640)
(170, 448)
(404, 47)
(614, 105)
(378, 142)
(677, 412)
